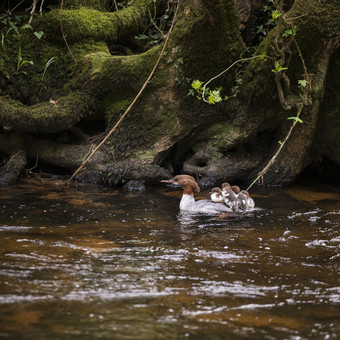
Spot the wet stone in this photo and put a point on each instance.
(134, 186)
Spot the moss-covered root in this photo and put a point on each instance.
(116, 173)
(47, 117)
(65, 156)
(85, 23)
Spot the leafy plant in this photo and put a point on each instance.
(197, 85)
(278, 67)
(261, 30)
(289, 32)
(141, 37)
(39, 34)
(275, 15)
(302, 83)
(214, 96)
(296, 119)
(47, 65)
(21, 62)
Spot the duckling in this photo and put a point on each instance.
(250, 201)
(243, 200)
(230, 197)
(216, 195)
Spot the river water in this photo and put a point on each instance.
(91, 262)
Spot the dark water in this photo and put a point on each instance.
(84, 262)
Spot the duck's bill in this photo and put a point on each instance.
(170, 181)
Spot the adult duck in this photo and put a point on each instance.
(188, 202)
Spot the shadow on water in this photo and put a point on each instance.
(89, 262)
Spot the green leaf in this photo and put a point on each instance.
(3, 41)
(141, 37)
(275, 15)
(302, 83)
(261, 30)
(197, 85)
(287, 33)
(27, 62)
(47, 65)
(39, 34)
(191, 92)
(214, 97)
(26, 26)
(296, 119)
(278, 67)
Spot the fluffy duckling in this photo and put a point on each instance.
(216, 195)
(230, 198)
(243, 200)
(250, 201)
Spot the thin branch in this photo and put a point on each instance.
(133, 102)
(227, 69)
(41, 6)
(272, 160)
(10, 12)
(116, 7)
(34, 5)
(62, 30)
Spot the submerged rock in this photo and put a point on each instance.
(134, 186)
(207, 182)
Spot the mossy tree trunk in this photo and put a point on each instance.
(167, 131)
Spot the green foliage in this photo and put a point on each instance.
(289, 32)
(156, 30)
(197, 85)
(39, 34)
(141, 37)
(177, 62)
(296, 120)
(261, 30)
(275, 15)
(278, 67)
(302, 83)
(47, 65)
(21, 62)
(214, 96)
(124, 4)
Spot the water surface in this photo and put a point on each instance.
(89, 262)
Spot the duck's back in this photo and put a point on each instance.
(208, 207)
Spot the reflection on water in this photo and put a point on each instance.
(95, 263)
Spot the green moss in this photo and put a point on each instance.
(100, 5)
(219, 39)
(45, 116)
(86, 23)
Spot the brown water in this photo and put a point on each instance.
(86, 262)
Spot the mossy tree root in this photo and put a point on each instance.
(85, 23)
(49, 117)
